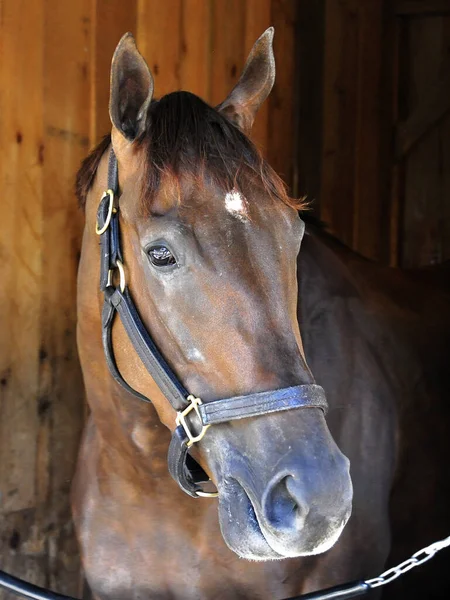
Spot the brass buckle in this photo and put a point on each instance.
(181, 420)
(111, 209)
(122, 279)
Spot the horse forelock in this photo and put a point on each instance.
(185, 136)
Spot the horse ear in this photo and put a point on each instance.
(254, 85)
(131, 89)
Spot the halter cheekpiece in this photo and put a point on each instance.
(193, 416)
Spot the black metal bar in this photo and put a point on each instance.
(28, 590)
(338, 592)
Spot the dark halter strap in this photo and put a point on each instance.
(193, 416)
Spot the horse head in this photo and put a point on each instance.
(210, 241)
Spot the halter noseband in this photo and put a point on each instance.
(193, 416)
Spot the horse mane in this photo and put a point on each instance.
(184, 135)
(86, 173)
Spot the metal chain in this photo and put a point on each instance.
(418, 558)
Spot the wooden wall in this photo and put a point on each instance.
(340, 131)
(201, 46)
(44, 133)
(374, 125)
(422, 142)
(54, 76)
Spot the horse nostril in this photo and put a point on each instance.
(284, 507)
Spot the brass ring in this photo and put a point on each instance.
(207, 494)
(101, 230)
(122, 281)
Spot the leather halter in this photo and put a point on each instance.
(193, 416)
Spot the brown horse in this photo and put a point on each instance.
(210, 241)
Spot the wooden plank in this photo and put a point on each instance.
(22, 538)
(393, 221)
(430, 110)
(444, 130)
(110, 19)
(227, 48)
(23, 548)
(445, 190)
(424, 62)
(390, 173)
(281, 101)
(21, 237)
(367, 211)
(425, 184)
(409, 8)
(340, 107)
(309, 101)
(333, 36)
(66, 120)
(158, 38)
(196, 42)
(350, 199)
(257, 20)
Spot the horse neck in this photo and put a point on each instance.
(341, 328)
(324, 276)
(358, 322)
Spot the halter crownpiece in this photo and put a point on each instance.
(194, 417)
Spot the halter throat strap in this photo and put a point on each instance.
(193, 416)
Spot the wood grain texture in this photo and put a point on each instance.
(350, 187)
(340, 117)
(44, 136)
(159, 41)
(196, 32)
(390, 179)
(368, 208)
(21, 137)
(227, 48)
(21, 172)
(110, 20)
(280, 142)
(430, 110)
(425, 215)
(201, 46)
(310, 41)
(408, 8)
(380, 70)
(66, 125)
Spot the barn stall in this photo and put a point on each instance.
(373, 139)
(358, 121)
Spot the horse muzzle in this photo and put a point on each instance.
(274, 505)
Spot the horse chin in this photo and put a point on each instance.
(246, 537)
(240, 528)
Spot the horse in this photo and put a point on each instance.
(207, 265)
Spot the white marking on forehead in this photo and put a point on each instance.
(236, 204)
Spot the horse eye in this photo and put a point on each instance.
(161, 256)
